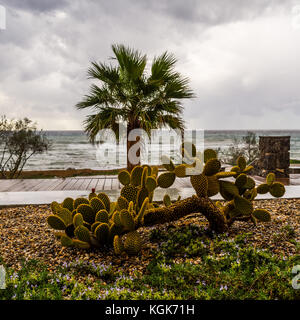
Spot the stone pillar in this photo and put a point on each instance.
(274, 156)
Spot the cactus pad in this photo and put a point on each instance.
(87, 212)
(151, 183)
(56, 222)
(242, 163)
(166, 179)
(97, 204)
(81, 244)
(167, 200)
(127, 220)
(228, 190)
(102, 216)
(250, 184)
(55, 206)
(129, 192)
(209, 154)
(78, 220)
(66, 241)
(241, 180)
(262, 215)
(118, 245)
(82, 233)
(243, 205)
(213, 187)
(263, 188)
(116, 219)
(180, 170)
(79, 201)
(122, 203)
(200, 184)
(124, 177)
(102, 232)
(141, 196)
(277, 189)
(212, 166)
(270, 178)
(68, 204)
(105, 199)
(136, 176)
(65, 215)
(133, 243)
(92, 195)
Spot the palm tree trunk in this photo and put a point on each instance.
(130, 144)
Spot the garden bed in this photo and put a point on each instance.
(184, 246)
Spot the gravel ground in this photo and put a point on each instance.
(24, 234)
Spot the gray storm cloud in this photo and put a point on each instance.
(240, 56)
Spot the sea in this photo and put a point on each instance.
(72, 149)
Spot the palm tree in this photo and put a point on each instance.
(128, 94)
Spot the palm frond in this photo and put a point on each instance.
(97, 98)
(132, 63)
(127, 94)
(106, 118)
(104, 72)
(162, 67)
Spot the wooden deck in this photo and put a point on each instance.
(77, 183)
(100, 183)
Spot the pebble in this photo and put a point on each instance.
(24, 232)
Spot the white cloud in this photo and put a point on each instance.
(242, 60)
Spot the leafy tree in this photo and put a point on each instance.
(19, 141)
(246, 146)
(126, 93)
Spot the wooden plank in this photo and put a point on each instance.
(20, 186)
(29, 185)
(56, 185)
(78, 184)
(68, 185)
(93, 184)
(100, 184)
(46, 184)
(115, 184)
(72, 184)
(32, 184)
(85, 184)
(7, 184)
(107, 184)
(14, 185)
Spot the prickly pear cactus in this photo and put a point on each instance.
(98, 222)
(235, 186)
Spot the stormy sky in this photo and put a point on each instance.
(242, 57)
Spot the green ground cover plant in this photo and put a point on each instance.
(229, 268)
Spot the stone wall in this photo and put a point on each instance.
(274, 156)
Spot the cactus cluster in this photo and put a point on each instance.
(137, 186)
(207, 179)
(98, 222)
